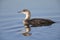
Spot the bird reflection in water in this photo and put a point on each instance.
(27, 30)
(27, 34)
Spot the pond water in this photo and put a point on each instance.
(11, 26)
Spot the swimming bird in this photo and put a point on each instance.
(35, 21)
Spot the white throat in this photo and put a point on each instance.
(27, 15)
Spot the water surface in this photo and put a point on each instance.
(11, 26)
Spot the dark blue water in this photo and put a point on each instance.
(11, 26)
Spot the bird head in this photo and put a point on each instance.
(24, 11)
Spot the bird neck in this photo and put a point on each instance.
(28, 15)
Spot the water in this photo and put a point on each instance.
(11, 26)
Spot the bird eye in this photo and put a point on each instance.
(24, 10)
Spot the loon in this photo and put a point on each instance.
(35, 21)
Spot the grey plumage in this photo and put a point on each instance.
(39, 22)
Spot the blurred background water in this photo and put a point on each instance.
(11, 26)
